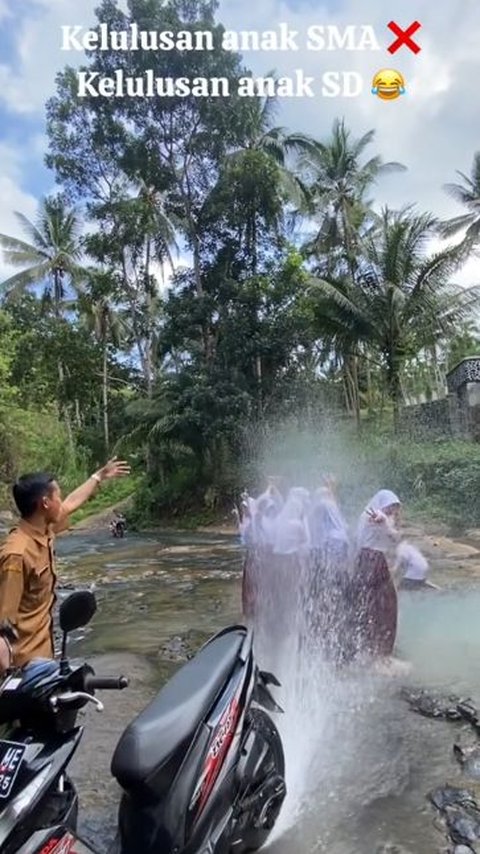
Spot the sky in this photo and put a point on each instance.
(434, 129)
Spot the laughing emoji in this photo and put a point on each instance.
(388, 84)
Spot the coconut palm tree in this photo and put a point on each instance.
(339, 178)
(260, 133)
(402, 301)
(466, 193)
(255, 187)
(109, 327)
(139, 242)
(261, 170)
(51, 257)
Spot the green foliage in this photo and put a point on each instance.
(36, 440)
(404, 303)
(110, 494)
(444, 476)
(193, 381)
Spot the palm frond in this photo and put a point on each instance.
(14, 286)
(32, 231)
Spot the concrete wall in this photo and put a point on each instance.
(426, 420)
(457, 415)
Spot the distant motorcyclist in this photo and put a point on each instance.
(118, 525)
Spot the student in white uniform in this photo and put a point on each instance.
(412, 568)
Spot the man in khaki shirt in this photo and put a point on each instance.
(27, 560)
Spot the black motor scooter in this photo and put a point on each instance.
(118, 527)
(201, 768)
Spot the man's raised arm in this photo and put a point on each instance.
(113, 469)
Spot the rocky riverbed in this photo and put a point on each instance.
(361, 763)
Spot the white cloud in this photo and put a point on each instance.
(25, 88)
(14, 198)
(5, 10)
(432, 129)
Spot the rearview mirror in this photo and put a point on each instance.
(77, 611)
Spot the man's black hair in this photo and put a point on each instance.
(28, 489)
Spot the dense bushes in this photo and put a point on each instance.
(34, 440)
(442, 478)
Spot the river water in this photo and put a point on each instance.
(359, 762)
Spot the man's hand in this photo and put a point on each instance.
(114, 468)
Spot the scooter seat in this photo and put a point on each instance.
(153, 745)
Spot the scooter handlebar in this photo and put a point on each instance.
(105, 683)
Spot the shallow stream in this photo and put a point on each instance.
(360, 763)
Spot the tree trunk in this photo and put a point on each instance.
(352, 359)
(395, 392)
(106, 430)
(63, 409)
(252, 246)
(351, 377)
(438, 373)
(197, 270)
(78, 414)
(356, 391)
(150, 333)
(369, 386)
(258, 372)
(346, 391)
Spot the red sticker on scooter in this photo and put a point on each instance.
(65, 845)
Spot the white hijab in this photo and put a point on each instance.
(246, 521)
(382, 499)
(326, 521)
(291, 531)
(413, 564)
(265, 520)
(379, 536)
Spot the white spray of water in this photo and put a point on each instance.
(322, 703)
(326, 707)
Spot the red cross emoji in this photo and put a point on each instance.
(404, 37)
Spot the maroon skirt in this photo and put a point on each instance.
(374, 604)
(271, 592)
(249, 587)
(328, 605)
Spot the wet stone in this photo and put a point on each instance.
(182, 647)
(185, 587)
(447, 796)
(432, 705)
(463, 824)
(469, 759)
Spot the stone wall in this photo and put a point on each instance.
(427, 420)
(457, 415)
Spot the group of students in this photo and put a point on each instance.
(302, 557)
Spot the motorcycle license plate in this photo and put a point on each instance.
(11, 757)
